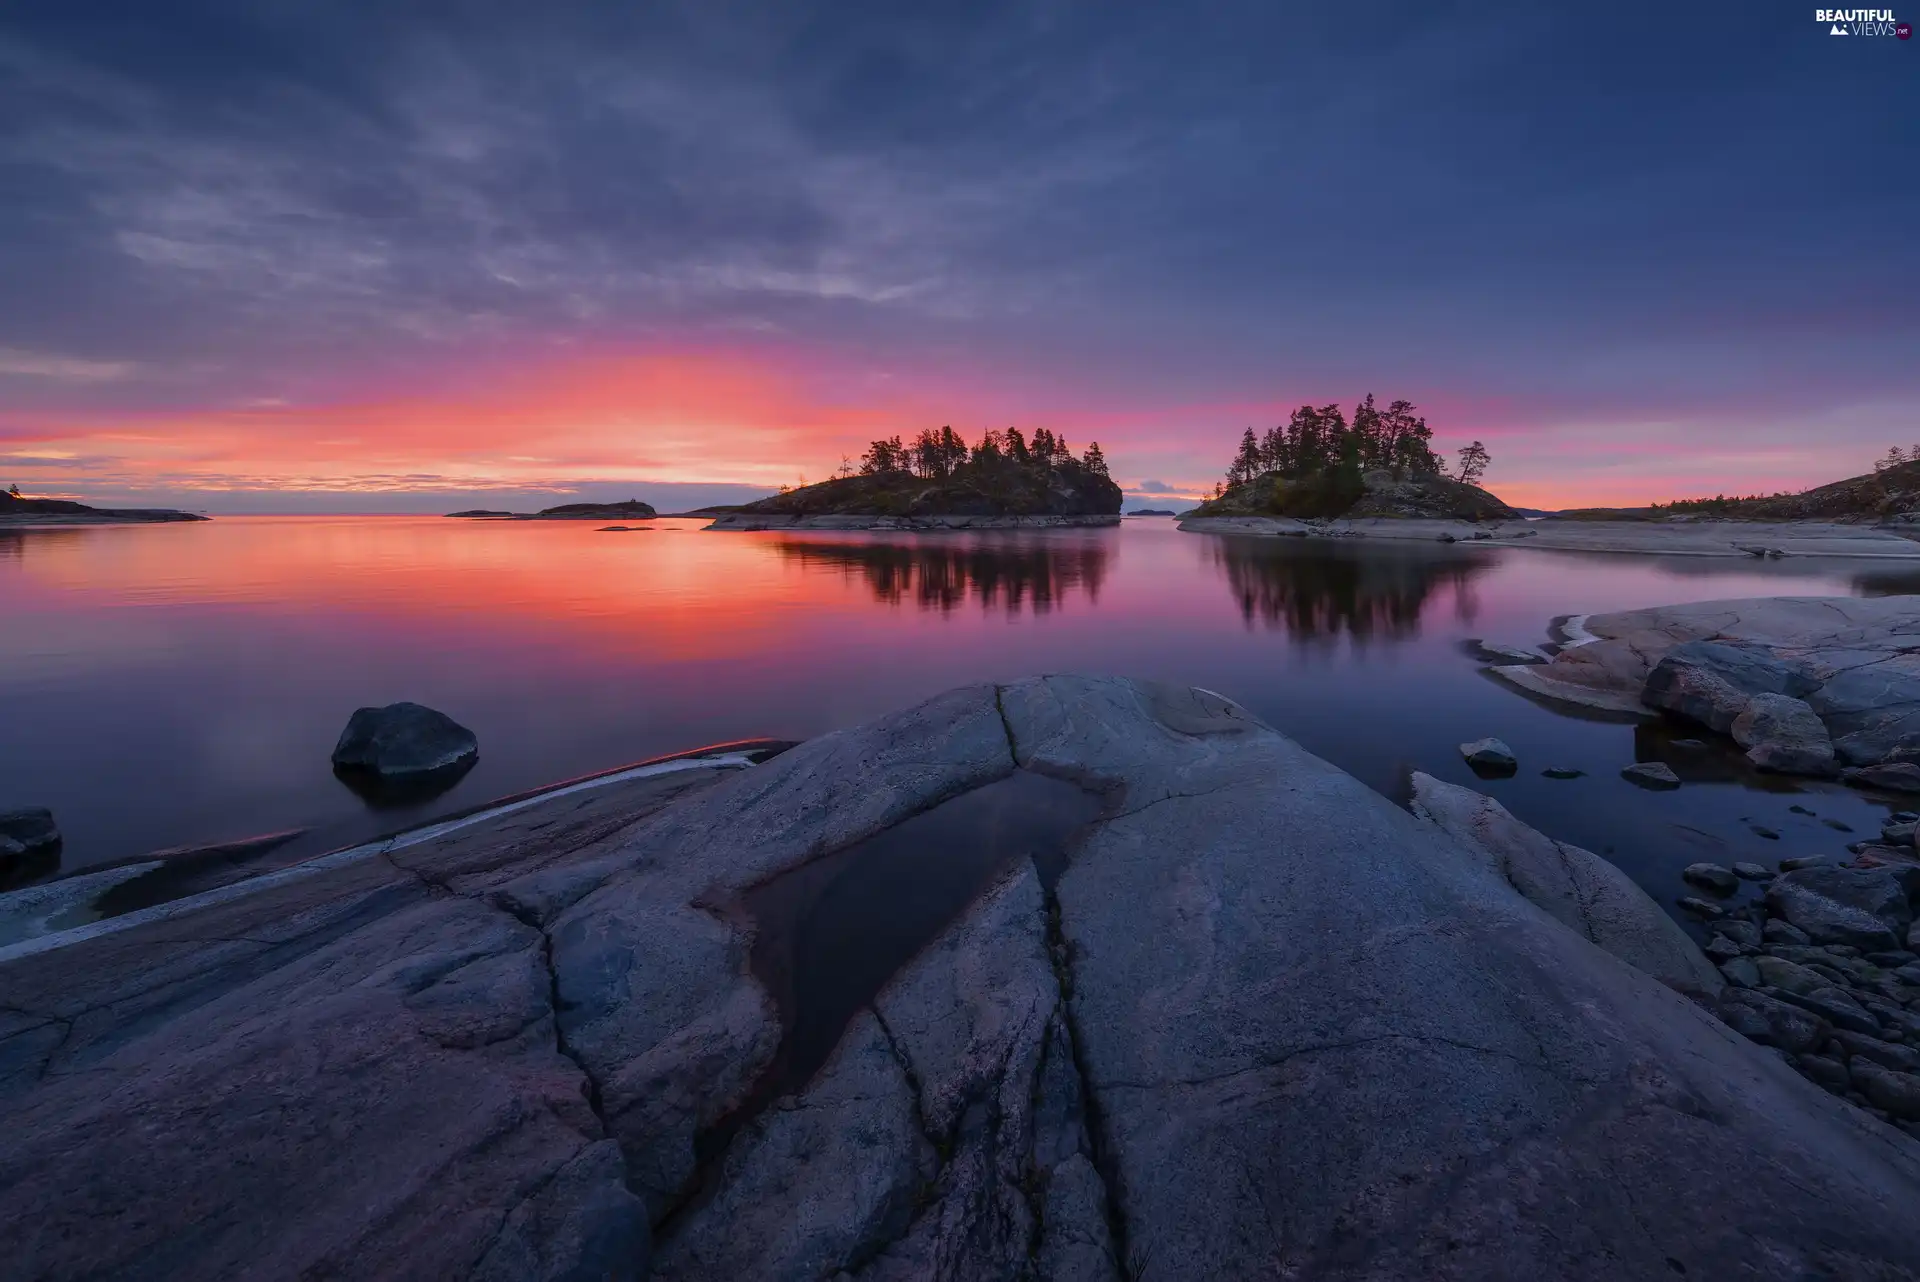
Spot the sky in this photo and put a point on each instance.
(349, 256)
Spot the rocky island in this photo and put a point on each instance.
(940, 483)
(630, 510)
(16, 510)
(1068, 978)
(1876, 516)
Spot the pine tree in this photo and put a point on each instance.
(1474, 461)
(1094, 461)
(1246, 464)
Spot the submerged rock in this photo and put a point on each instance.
(1720, 881)
(1897, 776)
(1657, 775)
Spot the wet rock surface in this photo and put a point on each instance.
(404, 742)
(1808, 685)
(1232, 1015)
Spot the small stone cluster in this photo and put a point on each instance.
(1824, 966)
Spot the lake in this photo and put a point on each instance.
(185, 684)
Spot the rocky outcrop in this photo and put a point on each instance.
(1813, 684)
(1177, 1038)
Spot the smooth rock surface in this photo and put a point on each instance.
(1577, 888)
(1264, 1024)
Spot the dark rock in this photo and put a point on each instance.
(1753, 872)
(1897, 1093)
(1489, 756)
(1872, 712)
(1865, 908)
(32, 829)
(1835, 1005)
(1655, 775)
(1803, 861)
(1494, 652)
(1700, 907)
(1740, 971)
(1781, 932)
(1887, 1054)
(1688, 745)
(1897, 832)
(1712, 682)
(1744, 933)
(403, 740)
(1828, 1072)
(1761, 830)
(1799, 810)
(1837, 825)
(1792, 977)
(1562, 772)
(1893, 959)
(1896, 776)
(1711, 877)
(1782, 734)
(1722, 949)
(1772, 1022)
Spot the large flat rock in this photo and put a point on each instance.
(1252, 1020)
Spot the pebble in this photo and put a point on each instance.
(1837, 826)
(1801, 861)
(1800, 810)
(1753, 872)
(1700, 907)
(1825, 1071)
(1562, 772)
(1761, 830)
(1744, 933)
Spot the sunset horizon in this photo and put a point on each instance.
(267, 263)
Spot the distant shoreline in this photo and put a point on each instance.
(1763, 540)
(749, 522)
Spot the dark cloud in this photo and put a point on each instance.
(1593, 206)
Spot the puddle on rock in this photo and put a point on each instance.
(832, 933)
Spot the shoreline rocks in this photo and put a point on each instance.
(1649, 538)
(537, 1050)
(1812, 686)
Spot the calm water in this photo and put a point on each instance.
(182, 685)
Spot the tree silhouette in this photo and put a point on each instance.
(1474, 461)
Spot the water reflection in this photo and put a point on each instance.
(942, 573)
(1365, 593)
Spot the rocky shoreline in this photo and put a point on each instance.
(755, 521)
(1682, 537)
(1206, 1007)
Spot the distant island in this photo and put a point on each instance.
(1152, 511)
(1320, 465)
(938, 481)
(18, 510)
(1889, 493)
(631, 510)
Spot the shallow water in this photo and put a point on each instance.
(178, 685)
